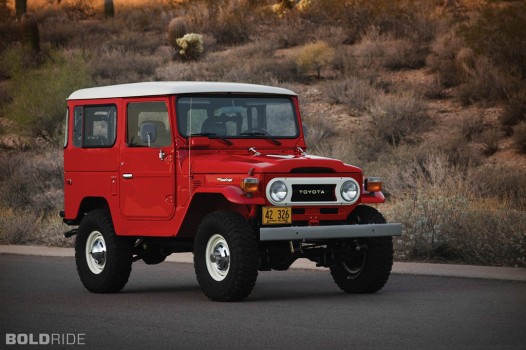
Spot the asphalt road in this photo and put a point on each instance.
(162, 307)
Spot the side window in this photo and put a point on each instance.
(95, 126)
(152, 119)
(77, 126)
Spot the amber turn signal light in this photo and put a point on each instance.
(373, 184)
(250, 185)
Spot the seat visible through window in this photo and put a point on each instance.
(211, 126)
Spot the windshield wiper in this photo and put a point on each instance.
(262, 135)
(212, 135)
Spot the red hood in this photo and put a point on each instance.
(265, 163)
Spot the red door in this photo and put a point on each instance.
(146, 164)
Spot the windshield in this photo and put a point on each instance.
(237, 116)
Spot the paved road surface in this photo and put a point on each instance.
(162, 307)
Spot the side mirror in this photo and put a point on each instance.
(148, 133)
(305, 130)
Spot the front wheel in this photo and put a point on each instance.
(368, 269)
(226, 256)
(103, 259)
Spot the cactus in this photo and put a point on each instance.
(176, 29)
(109, 10)
(191, 46)
(21, 8)
(30, 34)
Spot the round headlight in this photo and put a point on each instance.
(350, 191)
(278, 191)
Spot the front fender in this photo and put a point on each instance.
(233, 194)
(372, 197)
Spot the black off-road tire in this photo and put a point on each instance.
(226, 233)
(110, 273)
(369, 272)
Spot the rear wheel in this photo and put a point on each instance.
(226, 256)
(368, 269)
(103, 259)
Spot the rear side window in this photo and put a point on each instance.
(94, 126)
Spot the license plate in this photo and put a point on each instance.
(277, 215)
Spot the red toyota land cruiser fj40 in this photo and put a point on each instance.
(220, 170)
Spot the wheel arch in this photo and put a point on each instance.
(88, 204)
(203, 204)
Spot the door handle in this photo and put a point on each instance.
(127, 176)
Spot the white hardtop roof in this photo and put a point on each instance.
(172, 88)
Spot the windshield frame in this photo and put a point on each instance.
(182, 128)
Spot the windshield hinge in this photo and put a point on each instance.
(301, 151)
(253, 150)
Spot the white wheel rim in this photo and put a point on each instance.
(354, 270)
(96, 252)
(217, 257)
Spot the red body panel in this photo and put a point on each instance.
(150, 196)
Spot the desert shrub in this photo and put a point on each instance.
(457, 148)
(395, 17)
(490, 141)
(190, 46)
(319, 130)
(129, 42)
(27, 227)
(442, 59)
(471, 125)
(181, 71)
(231, 24)
(402, 53)
(40, 189)
(369, 51)
(313, 57)
(397, 118)
(458, 228)
(519, 136)
(377, 49)
(485, 83)
(505, 183)
(58, 31)
(497, 32)
(353, 92)
(114, 66)
(333, 35)
(292, 32)
(515, 110)
(39, 108)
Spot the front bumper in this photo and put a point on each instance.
(290, 233)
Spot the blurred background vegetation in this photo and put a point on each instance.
(429, 95)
